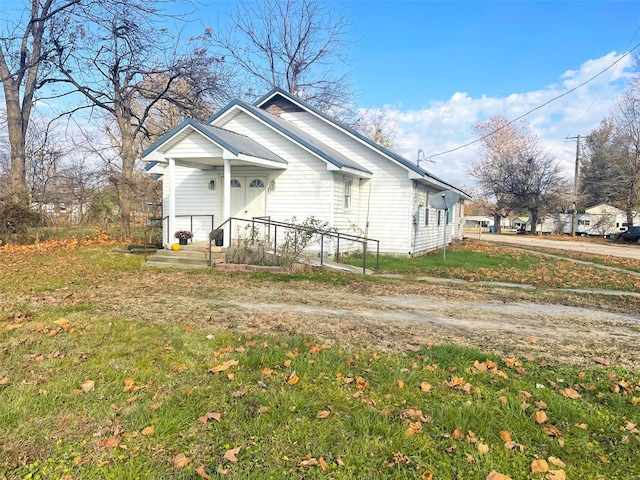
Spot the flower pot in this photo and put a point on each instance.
(183, 241)
(218, 242)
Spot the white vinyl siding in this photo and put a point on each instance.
(195, 145)
(304, 189)
(193, 197)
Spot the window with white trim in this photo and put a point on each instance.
(257, 183)
(347, 193)
(235, 183)
(426, 208)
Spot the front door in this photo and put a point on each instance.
(248, 197)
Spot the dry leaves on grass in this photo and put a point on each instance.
(230, 454)
(224, 366)
(181, 460)
(210, 415)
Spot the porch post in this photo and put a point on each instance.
(172, 199)
(227, 198)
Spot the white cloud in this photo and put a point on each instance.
(447, 124)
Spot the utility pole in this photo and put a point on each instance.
(574, 217)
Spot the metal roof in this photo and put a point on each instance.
(296, 134)
(236, 143)
(389, 153)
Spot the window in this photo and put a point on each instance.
(584, 222)
(439, 216)
(426, 207)
(235, 183)
(257, 183)
(347, 193)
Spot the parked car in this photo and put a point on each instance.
(631, 235)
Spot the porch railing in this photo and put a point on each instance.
(274, 225)
(190, 217)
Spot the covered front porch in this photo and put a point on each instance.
(209, 175)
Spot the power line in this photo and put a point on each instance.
(603, 85)
(538, 107)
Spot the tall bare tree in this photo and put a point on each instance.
(515, 171)
(124, 63)
(297, 45)
(25, 47)
(611, 164)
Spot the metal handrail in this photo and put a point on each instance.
(331, 234)
(166, 217)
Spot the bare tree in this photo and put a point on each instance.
(125, 64)
(25, 47)
(500, 141)
(515, 172)
(611, 164)
(626, 149)
(298, 46)
(378, 125)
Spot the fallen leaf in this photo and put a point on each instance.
(128, 385)
(503, 400)
(4, 380)
(148, 431)
(427, 475)
(400, 384)
(497, 476)
(425, 387)
(601, 361)
(505, 436)
(200, 471)
(570, 393)
(224, 366)
(540, 417)
(293, 378)
(111, 442)
(231, 454)
(323, 414)
(323, 464)
(603, 459)
(209, 415)
(539, 466)
(557, 462)
(483, 447)
(287, 363)
(181, 460)
(87, 386)
(457, 433)
(552, 431)
(556, 475)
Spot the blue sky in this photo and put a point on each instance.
(439, 67)
(411, 52)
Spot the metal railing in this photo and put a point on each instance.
(190, 217)
(273, 239)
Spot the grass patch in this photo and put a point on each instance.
(481, 261)
(158, 376)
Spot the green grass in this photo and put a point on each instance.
(50, 428)
(480, 261)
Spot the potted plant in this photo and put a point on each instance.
(218, 237)
(183, 236)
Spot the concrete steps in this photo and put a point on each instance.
(191, 256)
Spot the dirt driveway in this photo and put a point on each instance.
(395, 316)
(610, 248)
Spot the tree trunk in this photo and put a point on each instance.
(497, 222)
(629, 218)
(534, 221)
(17, 134)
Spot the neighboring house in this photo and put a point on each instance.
(282, 158)
(478, 221)
(600, 220)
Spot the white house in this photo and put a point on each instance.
(282, 158)
(600, 220)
